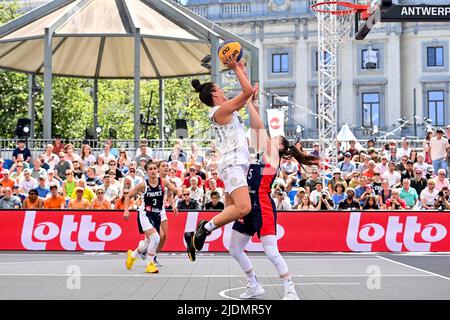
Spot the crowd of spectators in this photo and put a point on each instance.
(365, 178)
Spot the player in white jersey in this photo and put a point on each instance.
(234, 162)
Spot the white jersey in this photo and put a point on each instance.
(233, 141)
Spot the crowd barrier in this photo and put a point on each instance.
(369, 231)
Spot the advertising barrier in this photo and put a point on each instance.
(370, 231)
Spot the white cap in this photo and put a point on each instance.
(336, 171)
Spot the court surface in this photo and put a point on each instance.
(318, 276)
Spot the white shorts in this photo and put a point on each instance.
(234, 177)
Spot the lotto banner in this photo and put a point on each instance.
(296, 231)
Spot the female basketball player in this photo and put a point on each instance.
(234, 163)
(262, 218)
(149, 215)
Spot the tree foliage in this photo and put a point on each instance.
(72, 103)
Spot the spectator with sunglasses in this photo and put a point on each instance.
(120, 202)
(62, 167)
(79, 202)
(187, 203)
(118, 174)
(69, 184)
(33, 201)
(440, 180)
(9, 201)
(133, 175)
(92, 179)
(100, 201)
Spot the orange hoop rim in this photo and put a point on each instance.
(352, 8)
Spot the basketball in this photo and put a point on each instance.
(230, 49)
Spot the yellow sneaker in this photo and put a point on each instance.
(130, 260)
(151, 268)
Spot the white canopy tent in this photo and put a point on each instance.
(113, 39)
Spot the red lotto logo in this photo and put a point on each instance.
(275, 123)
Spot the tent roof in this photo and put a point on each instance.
(95, 39)
(345, 134)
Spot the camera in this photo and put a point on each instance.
(324, 195)
(441, 193)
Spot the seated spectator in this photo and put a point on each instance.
(325, 202)
(395, 202)
(353, 151)
(111, 191)
(213, 188)
(51, 179)
(282, 202)
(349, 203)
(62, 167)
(120, 202)
(400, 166)
(92, 180)
(17, 171)
(18, 193)
(69, 184)
(215, 203)
(187, 203)
(376, 182)
(178, 167)
(370, 171)
(289, 170)
(100, 167)
(58, 145)
(337, 178)
(365, 164)
(393, 177)
(212, 163)
(371, 203)
(316, 151)
(442, 201)
(9, 201)
(338, 193)
(49, 156)
(114, 171)
(310, 184)
(106, 154)
(408, 194)
(148, 151)
(393, 157)
(198, 171)
(88, 193)
(54, 201)
(79, 202)
(373, 154)
(363, 190)
(37, 171)
(196, 192)
(78, 171)
(23, 150)
(87, 158)
(383, 166)
(112, 149)
(195, 156)
(70, 154)
(355, 180)
(404, 148)
(27, 182)
(143, 154)
(408, 173)
(215, 176)
(187, 180)
(428, 195)
(305, 204)
(298, 197)
(174, 179)
(430, 173)
(132, 173)
(42, 189)
(441, 181)
(316, 193)
(421, 164)
(33, 201)
(123, 163)
(347, 167)
(384, 194)
(7, 181)
(100, 201)
(418, 182)
(2, 169)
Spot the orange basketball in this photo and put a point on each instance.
(230, 49)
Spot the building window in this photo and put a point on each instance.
(435, 56)
(371, 109)
(436, 107)
(280, 63)
(326, 59)
(370, 59)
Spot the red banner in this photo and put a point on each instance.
(296, 231)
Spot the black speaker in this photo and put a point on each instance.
(23, 128)
(181, 129)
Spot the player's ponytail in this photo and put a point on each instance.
(288, 152)
(204, 91)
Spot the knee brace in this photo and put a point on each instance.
(154, 242)
(271, 251)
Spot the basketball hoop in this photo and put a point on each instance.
(338, 18)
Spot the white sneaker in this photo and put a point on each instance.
(291, 294)
(253, 292)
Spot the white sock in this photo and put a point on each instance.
(135, 254)
(152, 259)
(251, 276)
(210, 226)
(287, 282)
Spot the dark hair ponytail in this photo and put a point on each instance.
(288, 152)
(205, 91)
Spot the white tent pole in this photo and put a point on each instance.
(137, 84)
(31, 113)
(161, 119)
(47, 125)
(215, 63)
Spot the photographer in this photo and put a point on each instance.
(442, 200)
(325, 202)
